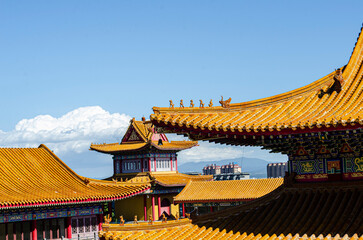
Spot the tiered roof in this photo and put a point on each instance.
(226, 191)
(142, 135)
(333, 102)
(37, 177)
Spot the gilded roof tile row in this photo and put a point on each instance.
(178, 179)
(231, 190)
(299, 109)
(36, 176)
(190, 231)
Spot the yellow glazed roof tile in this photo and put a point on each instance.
(36, 176)
(146, 137)
(178, 179)
(295, 110)
(231, 190)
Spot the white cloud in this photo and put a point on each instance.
(72, 132)
(70, 136)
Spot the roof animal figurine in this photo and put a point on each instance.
(210, 103)
(336, 86)
(171, 104)
(201, 104)
(150, 219)
(122, 221)
(225, 103)
(181, 103)
(191, 103)
(107, 219)
(164, 218)
(135, 220)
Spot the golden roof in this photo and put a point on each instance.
(142, 135)
(178, 179)
(167, 179)
(338, 106)
(195, 232)
(36, 176)
(231, 190)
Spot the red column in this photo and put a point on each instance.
(100, 221)
(153, 206)
(211, 209)
(149, 167)
(34, 230)
(176, 163)
(145, 208)
(171, 162)
(183, 209)
(69, 227)
(142, 164)
(159, 206)
(155, 163)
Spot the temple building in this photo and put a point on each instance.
(144, 154)
(42, 198)
(318, 126)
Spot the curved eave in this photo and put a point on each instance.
(175, 145)
(116, 148)
(71, 200)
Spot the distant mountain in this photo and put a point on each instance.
(254, 166)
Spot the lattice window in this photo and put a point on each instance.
(94, 224)
(74, 226)
(80, 225)
(87, 224)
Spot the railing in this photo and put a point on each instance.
(145, 225)
(94, 237)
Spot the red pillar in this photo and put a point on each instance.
(155, 163)
(171, 162)
(159, 207)
(145, 208)
(149, 167)
(176, 163)
(153, 206)
(211, 209)
(69, 227)
(34, 230)
(100, 221)
(142, 165)
(183, 209)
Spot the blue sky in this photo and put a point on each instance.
(117, 59)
